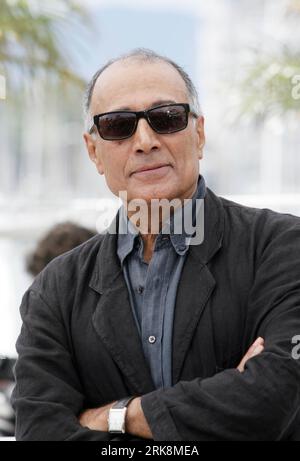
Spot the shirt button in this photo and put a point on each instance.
(140, 289)
(151, 339)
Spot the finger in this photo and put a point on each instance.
(252, 352)
(258, 342)
(257, 351)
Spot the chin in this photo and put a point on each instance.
(154, 194)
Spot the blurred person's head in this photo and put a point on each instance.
(140, 81)
(60, 238)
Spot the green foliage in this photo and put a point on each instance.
(32, 36)
(268, 85)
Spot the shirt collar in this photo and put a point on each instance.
(180, 241)
(128, 234)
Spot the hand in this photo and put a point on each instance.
(256, 348)
(96, 418)
(135, 424)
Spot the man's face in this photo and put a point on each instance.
(172, 159)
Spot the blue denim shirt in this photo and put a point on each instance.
(152, 288)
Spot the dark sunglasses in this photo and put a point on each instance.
(122, 124)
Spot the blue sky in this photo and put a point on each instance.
(122, 29)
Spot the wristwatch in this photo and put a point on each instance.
(117, 414)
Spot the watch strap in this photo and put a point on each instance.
(123, 402)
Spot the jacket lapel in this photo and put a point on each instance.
(196, 284)
(113, 318)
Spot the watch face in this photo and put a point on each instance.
(116, 420)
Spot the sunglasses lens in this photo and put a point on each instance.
(117, 125)
(168, 119)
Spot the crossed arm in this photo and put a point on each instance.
(136, 423)
(260, 402)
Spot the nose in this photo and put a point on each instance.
(145, 139)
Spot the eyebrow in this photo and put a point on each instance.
(158, 102)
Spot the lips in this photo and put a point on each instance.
(150, 168)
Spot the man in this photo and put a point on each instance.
(144, 330)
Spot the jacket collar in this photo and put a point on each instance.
(107, 266)
(128, 232)
(113, 319)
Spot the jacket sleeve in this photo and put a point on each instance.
(263, 402)
(48, 396)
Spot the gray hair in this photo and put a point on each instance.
(145, 55)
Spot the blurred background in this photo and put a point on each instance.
(244, 57)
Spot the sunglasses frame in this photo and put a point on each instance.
(142, 114)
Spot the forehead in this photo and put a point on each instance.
(136, 84)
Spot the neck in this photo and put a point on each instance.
(151, 216)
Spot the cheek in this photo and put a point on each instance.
(106, 160)
(114, 169)
(184, 153)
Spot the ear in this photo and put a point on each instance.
(200, 135)
(93, 151)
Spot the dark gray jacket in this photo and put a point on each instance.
(79, 347)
